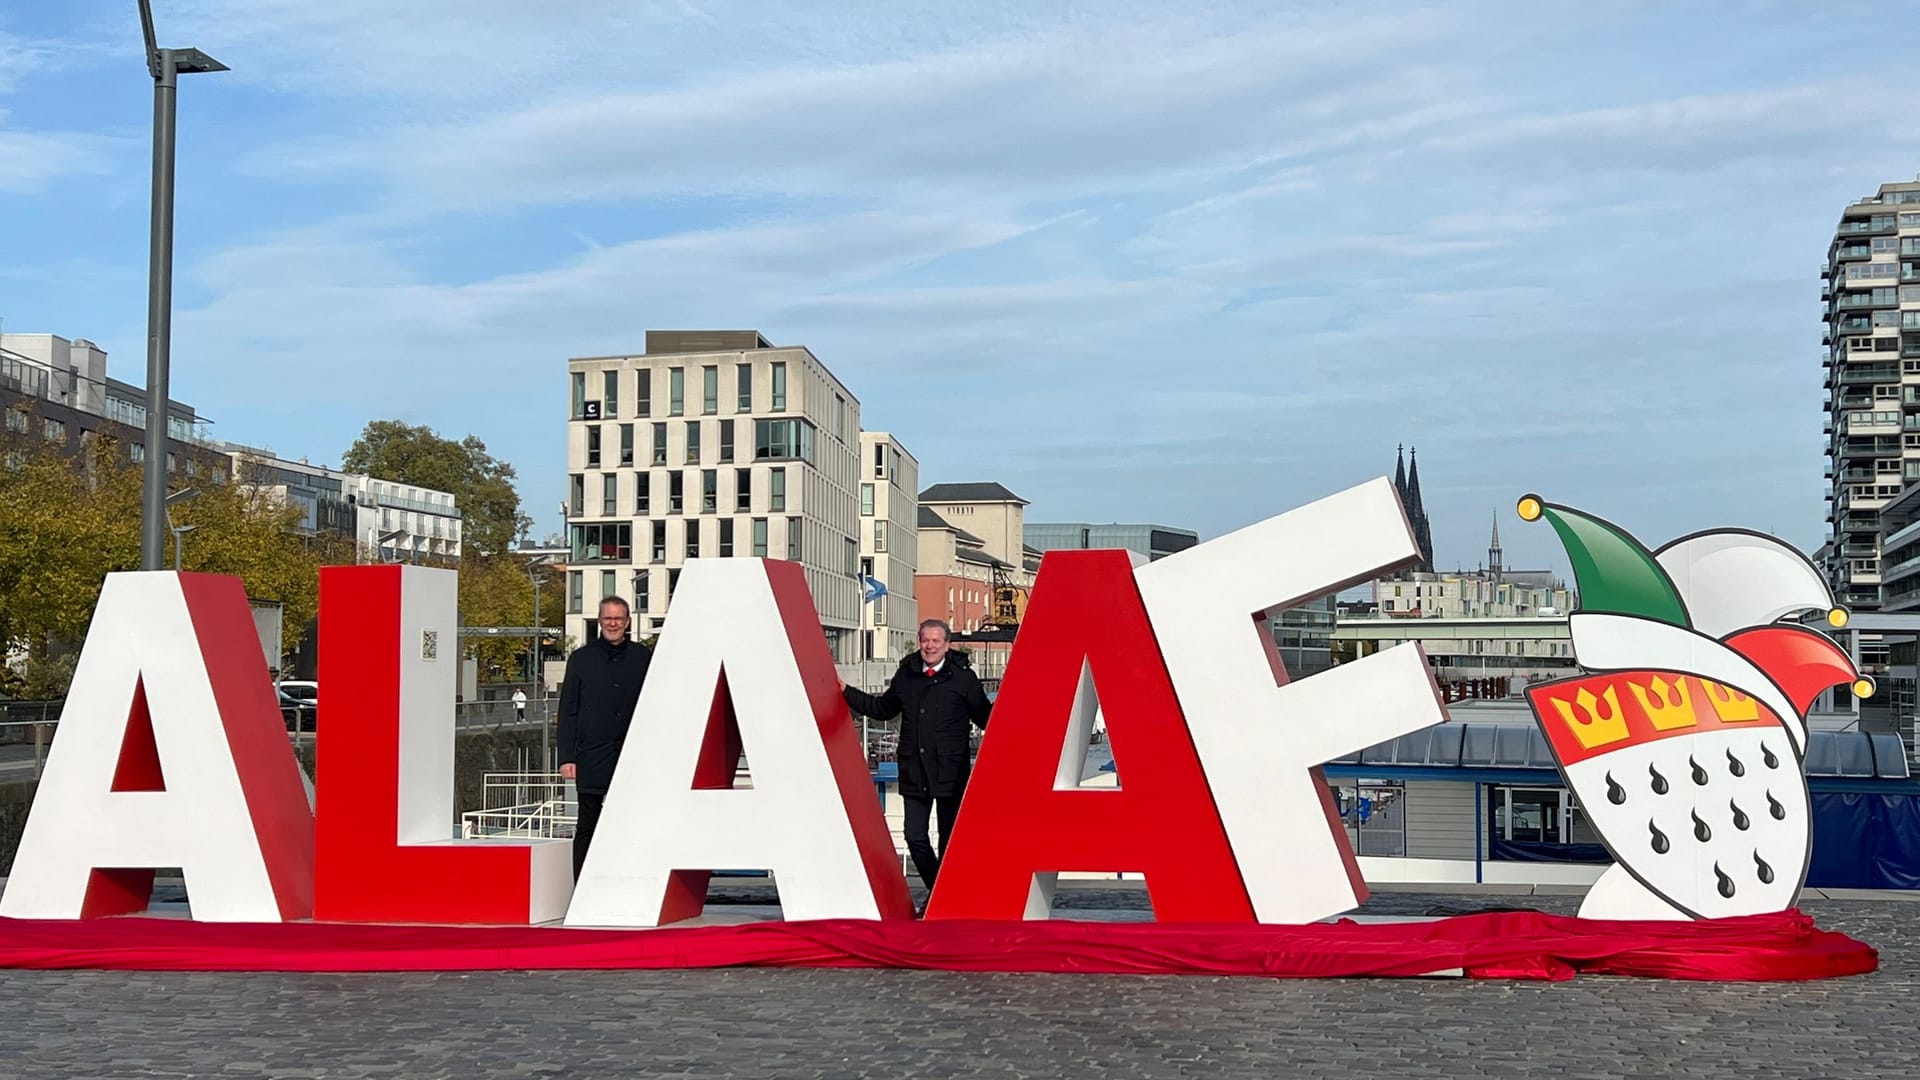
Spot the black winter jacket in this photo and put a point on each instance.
(597, 697)
(934, 714)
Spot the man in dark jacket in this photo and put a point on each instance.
(597, 697)
(936, 694)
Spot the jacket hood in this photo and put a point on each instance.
(912, 660)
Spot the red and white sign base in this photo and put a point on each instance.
(1504, 945)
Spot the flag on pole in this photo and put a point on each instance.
(875, 589)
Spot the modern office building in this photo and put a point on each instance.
(1870, 289)
(889, 545)
(711, 444)
(1153, 541)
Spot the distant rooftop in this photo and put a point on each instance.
(701, 341)
(930, 520)
(972, 492)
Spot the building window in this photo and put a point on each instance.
(57, 432)
(608, 587)
(710, 389)
(641, 580)
(641, 482)
(783, 440)
(626, 446)
(693, 538)
(574, 585)
(610, 494)
(579, 395)
(853, 556)
(676, 492)
(866, 500)
(744, 376)
(759, 538)
(643, 392)
(779, 387)
(777, 490)
(726, 538)
(657, 542)
(879, 534)
(610, 400)
(1374, 813)
(17, 421)
(709, 491)
(673, 584)
(693, 442)
(676, 391)
(137, 451)
(593, 447)
(879, 461)
(726, 442)
(576, 494)
(793, 539)
(743, 491)
(659, 444)
(602, 542)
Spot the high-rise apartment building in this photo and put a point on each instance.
(889, 544)
(711, 444)
(1870, 283)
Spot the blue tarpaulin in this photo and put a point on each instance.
(1865, 841)
(1860, 841)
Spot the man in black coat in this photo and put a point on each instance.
(936, 695)
(597, 697)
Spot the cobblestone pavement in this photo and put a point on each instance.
(911, 1024)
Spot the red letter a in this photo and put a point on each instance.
(1086, 643)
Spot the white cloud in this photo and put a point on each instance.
(1242, 250)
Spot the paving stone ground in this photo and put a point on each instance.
(771, 1023)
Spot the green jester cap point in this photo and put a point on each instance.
(1612, 571)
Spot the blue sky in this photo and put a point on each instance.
(1191, 263)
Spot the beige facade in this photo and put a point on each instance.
(711, 444)
(889, 543)
(987, 510)
(1473, 594)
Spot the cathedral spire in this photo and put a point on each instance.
(1400, 471)
(1413, 484)
(1494, 559)
(1417, 511)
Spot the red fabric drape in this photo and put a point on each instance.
(1509, 945)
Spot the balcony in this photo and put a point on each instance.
(1868, 373)
(1853, 252)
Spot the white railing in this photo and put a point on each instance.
(520, 806)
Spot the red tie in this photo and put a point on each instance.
(929, 673)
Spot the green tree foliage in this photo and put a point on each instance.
(68, 521)
(481, 484)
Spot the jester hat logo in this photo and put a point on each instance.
(1685, 738)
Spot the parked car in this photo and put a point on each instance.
(300, 715)
(308, 692)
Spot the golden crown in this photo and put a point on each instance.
(1668, 704)
(1732, 706)
(1591, 725)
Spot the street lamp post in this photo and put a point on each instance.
(179, 542)
(534, 676)
(166, 66)
(179, 531)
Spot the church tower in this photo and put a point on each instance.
(1493, 551)
(1406, 481)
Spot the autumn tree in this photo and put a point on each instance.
(67, 521)
(481, 484)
